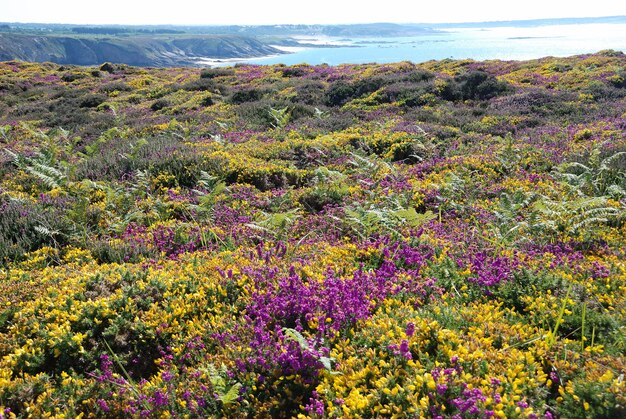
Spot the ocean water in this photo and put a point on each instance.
(506, 43)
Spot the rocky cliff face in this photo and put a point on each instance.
(147, 51)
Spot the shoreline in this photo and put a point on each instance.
(304, 42)
(223, 62)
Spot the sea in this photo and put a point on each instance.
(504, 43)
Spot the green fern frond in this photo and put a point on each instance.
(231, 395)
(47, 180)
(296, 336)
(607, 162)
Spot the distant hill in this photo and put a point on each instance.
(533, 22)
(355, 30)
(168, 45)
(171, 45)
(138, 50)
(279, 30)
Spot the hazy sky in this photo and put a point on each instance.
(199, 12)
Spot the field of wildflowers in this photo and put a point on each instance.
(445, 239)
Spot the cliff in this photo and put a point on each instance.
(147, 51)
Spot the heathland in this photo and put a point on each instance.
(444, 239)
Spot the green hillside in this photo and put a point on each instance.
(438, 240)
(136, 50)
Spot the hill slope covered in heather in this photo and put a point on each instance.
(436, 239)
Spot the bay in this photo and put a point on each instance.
(505, 43)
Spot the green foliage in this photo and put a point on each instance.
(339, 94)
(211, 73)
(277, 224)
(552, 334)
(599, 177)
(451, 194)
(356, 238)
(226, 393)
(92, 101)
(329, 188)
(243, 96)
(369, 221)
(160, 104)
(473, 85)
(40, 166)
(26, 227)
(203, 84)
(509, 222)
(572, 217)
(280, 117)
(600, 403)
(619, 79)
(209, 189)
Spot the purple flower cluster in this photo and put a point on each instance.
(491, 270)
(401, 350)
(469, 402)
(322, 308)
(106, 368)
(315, 405)
(459, 400)
(599, 271)
(166, 240)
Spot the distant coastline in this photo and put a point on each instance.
(178, 46)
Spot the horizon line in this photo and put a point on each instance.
(312, 24)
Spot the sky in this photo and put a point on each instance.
(259, 12)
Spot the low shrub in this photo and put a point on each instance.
(211, 73)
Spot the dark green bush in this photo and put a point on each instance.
(111, 162)
(200, 85)
(619, 80)
(331, 123)
(118, 86)
(418, 76)
(369, 85)
(105, 251)
(70, 77)
(474, 85)
(339, 93)
(410, 94)
(166, 154)
(134, 99)
(310, 93)
(26, 227)
(207, 101)
(245, 95)
(450, 90)
(108, 67)
(268, 180)
(319, 198)
(92, 100)
(602, 91)
(97, 123)
(120, 158)
(69, 110)
(159, 104)
(297, 111)
(480, 85)
(211, 73)
(255, 115)
(293, 71)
